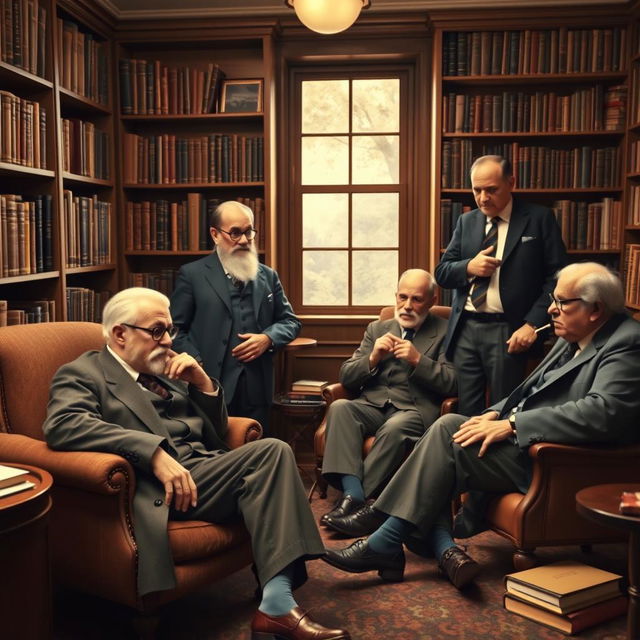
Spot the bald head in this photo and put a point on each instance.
(414, 297)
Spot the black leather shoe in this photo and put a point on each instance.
(344, 507)
(458, 567)
(355, 525)
(358, 558)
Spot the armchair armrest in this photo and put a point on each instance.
(336, 391)
(449, 405)
(103, 473)
(242, 430)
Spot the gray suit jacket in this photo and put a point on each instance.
(95, 405)
(201, 308)
(594, 398)
(429, 383)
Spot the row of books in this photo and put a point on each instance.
(26, 312)
(23, 29)
(26, 235)
(160, 225)
(592, 109)
(85, 149)
(632, 274)
(152, 88)
(85, 305)
(85, 62)
(634, 157)
(566, 595)
(535, 167)
(217, 158)
(593, 226)
(634, 81)
(633, 205)
(450, 211)
(162, 281)
(23, 127)
(533, 51)
(88, 230)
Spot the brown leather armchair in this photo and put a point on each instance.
(92, 533)
(336, 392)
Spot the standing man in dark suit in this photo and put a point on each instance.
(233, 314)
(159, 409)
(402, 376)
(500, 263)
(584, 392)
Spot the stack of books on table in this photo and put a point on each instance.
(13, 480)
(630, 503)
(305, 392)
(568, 596)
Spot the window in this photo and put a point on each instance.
(350, 189)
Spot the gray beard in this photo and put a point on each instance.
(242, 265)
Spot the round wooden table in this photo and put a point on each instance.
(25, 606)
(601, 504)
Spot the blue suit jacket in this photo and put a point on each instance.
(533, 253)
(201, 308)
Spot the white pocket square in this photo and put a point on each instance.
(270, 297)
(527, 239)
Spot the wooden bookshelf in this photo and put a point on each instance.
(165, 113)
(43, 291)
(546, 97)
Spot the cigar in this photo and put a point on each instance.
(539, 329)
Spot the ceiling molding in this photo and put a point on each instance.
(236, 8)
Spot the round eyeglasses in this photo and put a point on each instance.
(236, 234)
(561, 303)
(156, 332)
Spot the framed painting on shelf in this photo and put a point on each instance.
(241, 96)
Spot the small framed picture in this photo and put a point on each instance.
(241, 96)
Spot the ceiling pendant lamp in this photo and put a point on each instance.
(328, 16)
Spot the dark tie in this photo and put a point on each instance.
(154, 385)
(566, 355)
(238, 284)
(481, 284)
(409, 334)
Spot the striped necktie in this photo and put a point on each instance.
(152, 384)
(481, 284)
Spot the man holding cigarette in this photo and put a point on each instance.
(500, 263)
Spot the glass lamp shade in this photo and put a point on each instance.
(328, 16)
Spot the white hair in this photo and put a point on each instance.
(125, 305)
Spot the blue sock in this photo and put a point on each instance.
(277, 599)
(388, 538)
(352, 486)
(440, 540)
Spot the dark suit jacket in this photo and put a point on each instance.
(430, 382)
(95, 405)
(533, 253)
(201, 308)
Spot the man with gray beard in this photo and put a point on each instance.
(233, 314)
(401, 374)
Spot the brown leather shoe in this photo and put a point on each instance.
(458, 567)
(296, 625)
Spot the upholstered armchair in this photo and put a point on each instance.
(92, 532)
(336, 392)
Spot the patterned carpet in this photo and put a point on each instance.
(425, 606)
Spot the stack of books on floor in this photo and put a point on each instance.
(305, 392)
(567, 595)
(13, 480)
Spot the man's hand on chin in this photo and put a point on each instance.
(182, 366)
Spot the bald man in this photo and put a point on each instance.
(401, 375)
(233, 314)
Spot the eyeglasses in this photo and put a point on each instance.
(561, 303)
(156, 332)
(236, 234)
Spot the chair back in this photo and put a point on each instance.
(386, 313)
(30, 355)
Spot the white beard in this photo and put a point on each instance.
(415, 322)
(242, 265)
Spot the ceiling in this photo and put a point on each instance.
(142, 9)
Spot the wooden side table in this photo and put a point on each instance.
(25, 605)
(600, 504)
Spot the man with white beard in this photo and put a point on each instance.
(401, 375)
(233, 314)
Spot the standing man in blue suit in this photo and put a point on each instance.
(233, 314)
(501, 264)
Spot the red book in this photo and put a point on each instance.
(630, 503)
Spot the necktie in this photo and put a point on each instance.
(481, 284)
(566, 355)
(238, 284)
(409, 334)
(153, 384)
